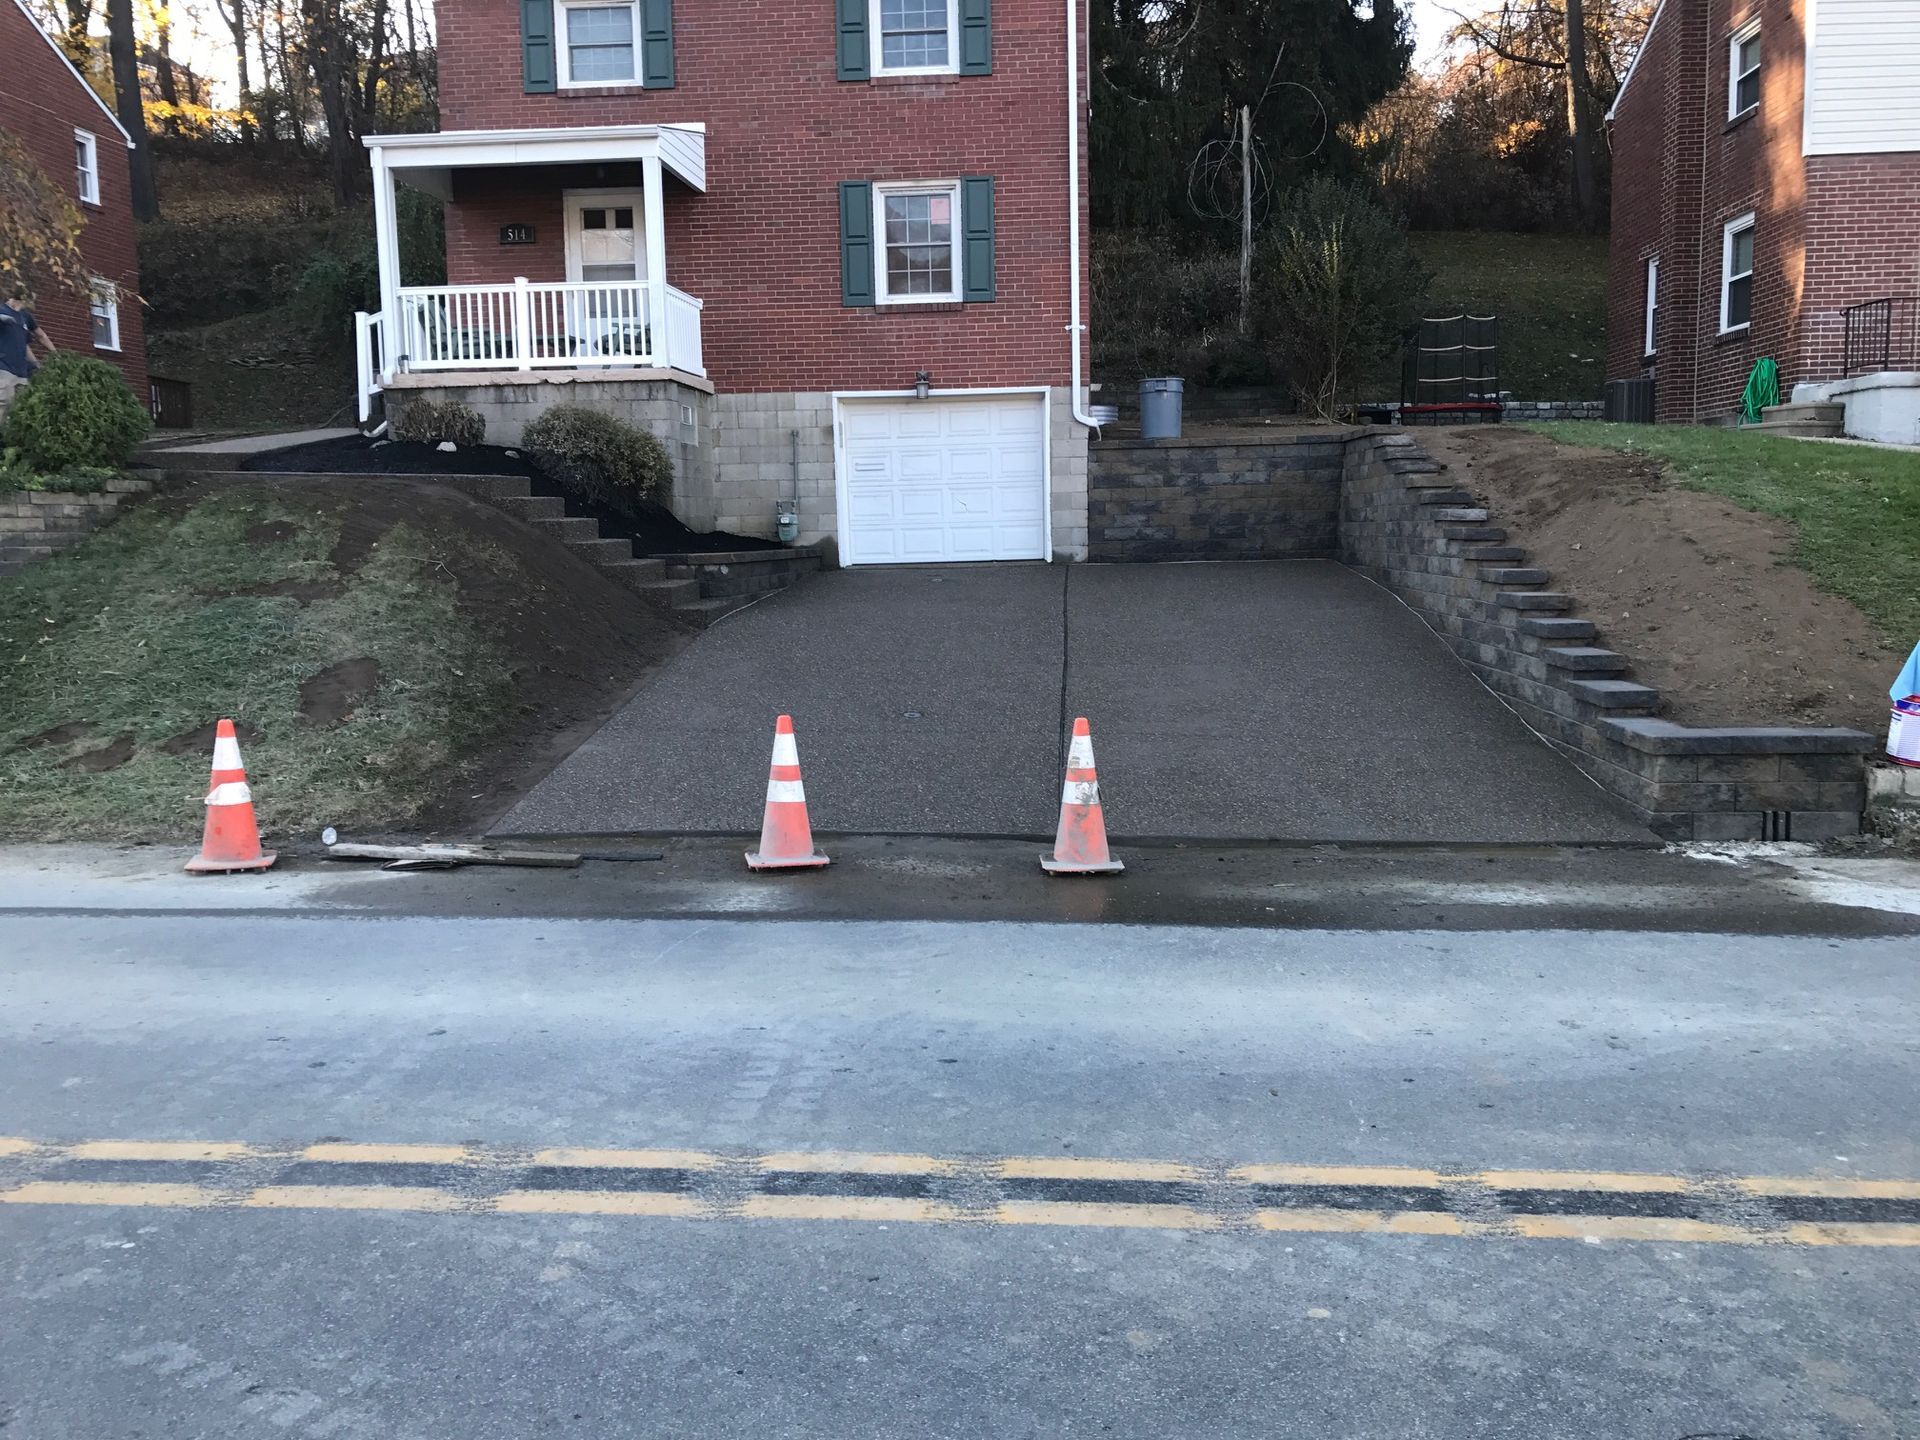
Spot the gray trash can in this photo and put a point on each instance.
(1160, 407)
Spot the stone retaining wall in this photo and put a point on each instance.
(1403, 522)
(1210, 498)
(36, 523)
(1518, 410)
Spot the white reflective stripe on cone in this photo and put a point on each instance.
(1080, 753)
(1080, 792)
(786, 791)
(785, 752)
(234, 792)
(226, 753)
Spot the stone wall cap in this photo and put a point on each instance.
(735, 557)
(1665, 737)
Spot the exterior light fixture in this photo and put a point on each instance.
(922, 384)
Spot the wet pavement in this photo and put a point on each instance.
(1288, 701)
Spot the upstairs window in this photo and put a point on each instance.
(1736, 275)
(86, 166)
(1743, 70)
(597, 45)
(916, 36)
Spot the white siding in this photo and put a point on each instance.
(1863, 76)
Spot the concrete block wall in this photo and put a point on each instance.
(1404, 523)
(35, 524)
(771, 447)
(1215, 498)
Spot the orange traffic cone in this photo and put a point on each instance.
(1080, 845)
(232, 840)
(786, 839)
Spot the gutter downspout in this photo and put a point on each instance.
(1075, 329)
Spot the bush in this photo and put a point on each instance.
(601, 458)
(428, 422)
(1159, 312)
(77, 411)
(1338, 286)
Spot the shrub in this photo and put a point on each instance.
(1338, 285)
(428, 422)
(601, 458)
(1159, 312)
(77, 411)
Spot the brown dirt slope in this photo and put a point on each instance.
(1696, 592)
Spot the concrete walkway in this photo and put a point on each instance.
(1290, 701)
(241, 447)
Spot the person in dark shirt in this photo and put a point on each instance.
(19, 332)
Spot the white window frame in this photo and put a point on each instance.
(1649, 337)
(104, 304)
(87, 177)
(564, 61)
(951, 188)
(1727, 277)
(1735, 74)
(880, 66)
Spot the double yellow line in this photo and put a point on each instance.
(721, 1187)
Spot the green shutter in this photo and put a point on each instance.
(856, 242)
(850, 38)
(656, 44)
(976, 37)
(537, 70)
(976, 238)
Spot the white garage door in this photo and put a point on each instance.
(946, 479)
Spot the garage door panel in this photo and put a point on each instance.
(944, 479)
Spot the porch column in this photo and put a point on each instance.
(654, 208)
(386, 249)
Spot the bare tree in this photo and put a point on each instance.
(125, 54)
(234, 13)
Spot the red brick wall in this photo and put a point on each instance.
(1863, 243)
(762, 247)
(44, 103)
(1679, 159)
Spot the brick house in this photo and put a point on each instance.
(1766, 202)
(75, 138)
(829, 251)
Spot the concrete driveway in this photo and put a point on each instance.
(1291, 701)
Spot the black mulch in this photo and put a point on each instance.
(654, 533)
(356, 455)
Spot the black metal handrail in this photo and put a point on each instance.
(1883, 334)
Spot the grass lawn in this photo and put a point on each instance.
(147, 634)
(1855, 509)
(1550, 294)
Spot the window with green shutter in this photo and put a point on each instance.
(856, 242)
(537, 70)
(976, 37)
(656, 44)
(850, 39)
(976, 238)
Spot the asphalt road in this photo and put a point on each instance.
(752, 1178)
(1292, 701)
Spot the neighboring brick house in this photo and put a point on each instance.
(74, 138)
(823, 249)
(1766, 161)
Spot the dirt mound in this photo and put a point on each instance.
(331, 697)
(64, 734)
(356, 455)
(200, 741)
(1699, 594)
(108, 757)
(267, 531)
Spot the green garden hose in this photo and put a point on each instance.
(1763, 389)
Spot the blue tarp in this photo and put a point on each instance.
(1908, 682)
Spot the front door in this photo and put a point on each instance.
(605, 246)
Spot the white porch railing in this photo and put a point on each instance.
(530, 325)
(369, 359)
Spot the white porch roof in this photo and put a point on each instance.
(426, 162)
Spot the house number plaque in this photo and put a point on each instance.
(516, 234)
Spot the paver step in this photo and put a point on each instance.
(508, 487)
(1516, 576)
(533, 507)
(1474, 532)
(1431, 478)
(704, 612)
(1588, 659)
(1554, 627)
(1496, 554)
(673, 593)
(634, 573)
(571, 530)
(1533, 600)
(1819, 412)
(1452, 496)
(1461, 515)
(1615, 694)
(602, 552)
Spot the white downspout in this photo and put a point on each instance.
(1075, 329)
